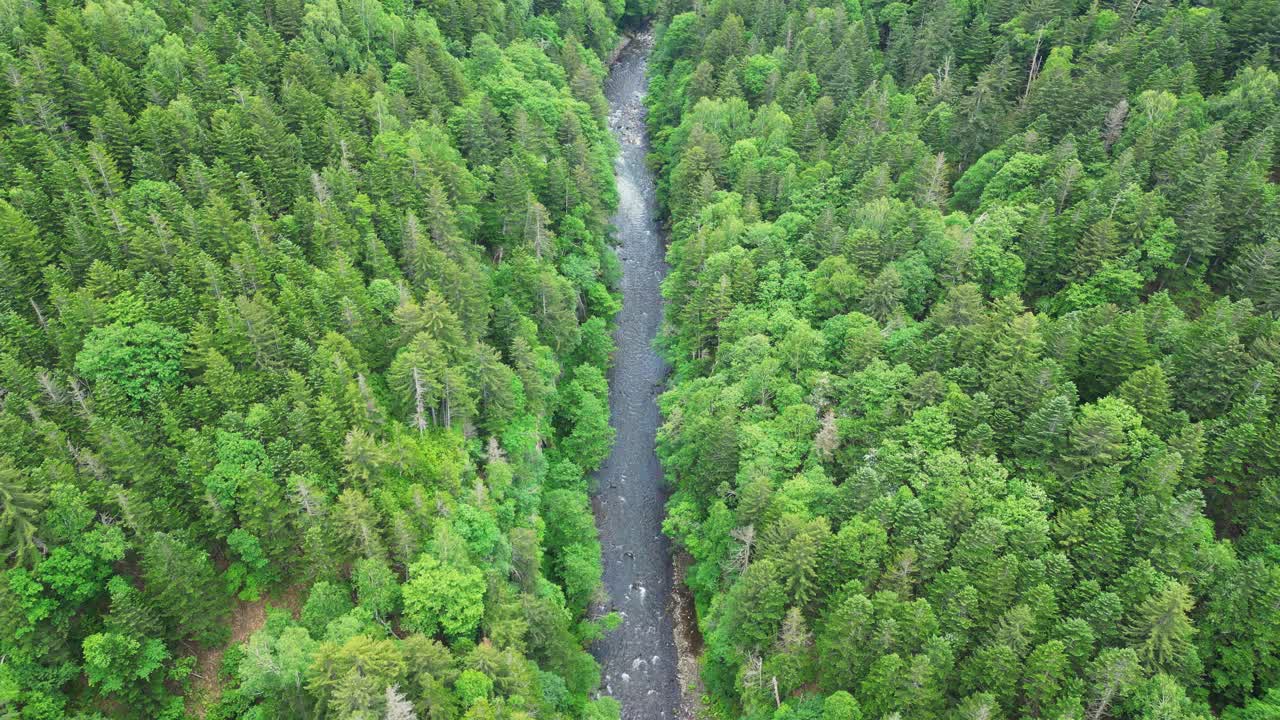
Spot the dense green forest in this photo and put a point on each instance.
(304, 318)
(305, 325)
(972, 312)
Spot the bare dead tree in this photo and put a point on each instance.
(420, 403)
(1033, 71)
(1114, 123)
(741, 555)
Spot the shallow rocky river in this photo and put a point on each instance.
(639, 659)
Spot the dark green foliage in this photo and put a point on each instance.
(19, 517)
(183, 586)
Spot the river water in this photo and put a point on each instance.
(639, 659)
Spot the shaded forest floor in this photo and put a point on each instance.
(246, 618)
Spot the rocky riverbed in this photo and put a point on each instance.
(640, 660)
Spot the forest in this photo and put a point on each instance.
(305, 316)
(306, 329)
(972, 313)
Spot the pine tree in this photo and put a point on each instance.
(1098, 244)
(1147, 391)
(19, 517)
(1044, 676)
(182, 585)
(1162, 631)
(1255, 274)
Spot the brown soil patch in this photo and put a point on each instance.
(246, 619)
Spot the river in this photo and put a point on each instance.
(639, 659)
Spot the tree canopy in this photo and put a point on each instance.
(299, 303)
(974, 407)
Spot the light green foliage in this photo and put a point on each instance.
(141, 360)
(472, 687)
(571, 538)
(479, 530)
(442, 597)
(1163, 631)
(251, 571)
(840, 705)
(113, 661)
(276, 661)
(585, 409)
(1258, 709)
(604, 708)
(377, 588)
(351, 677)
(756, 72)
